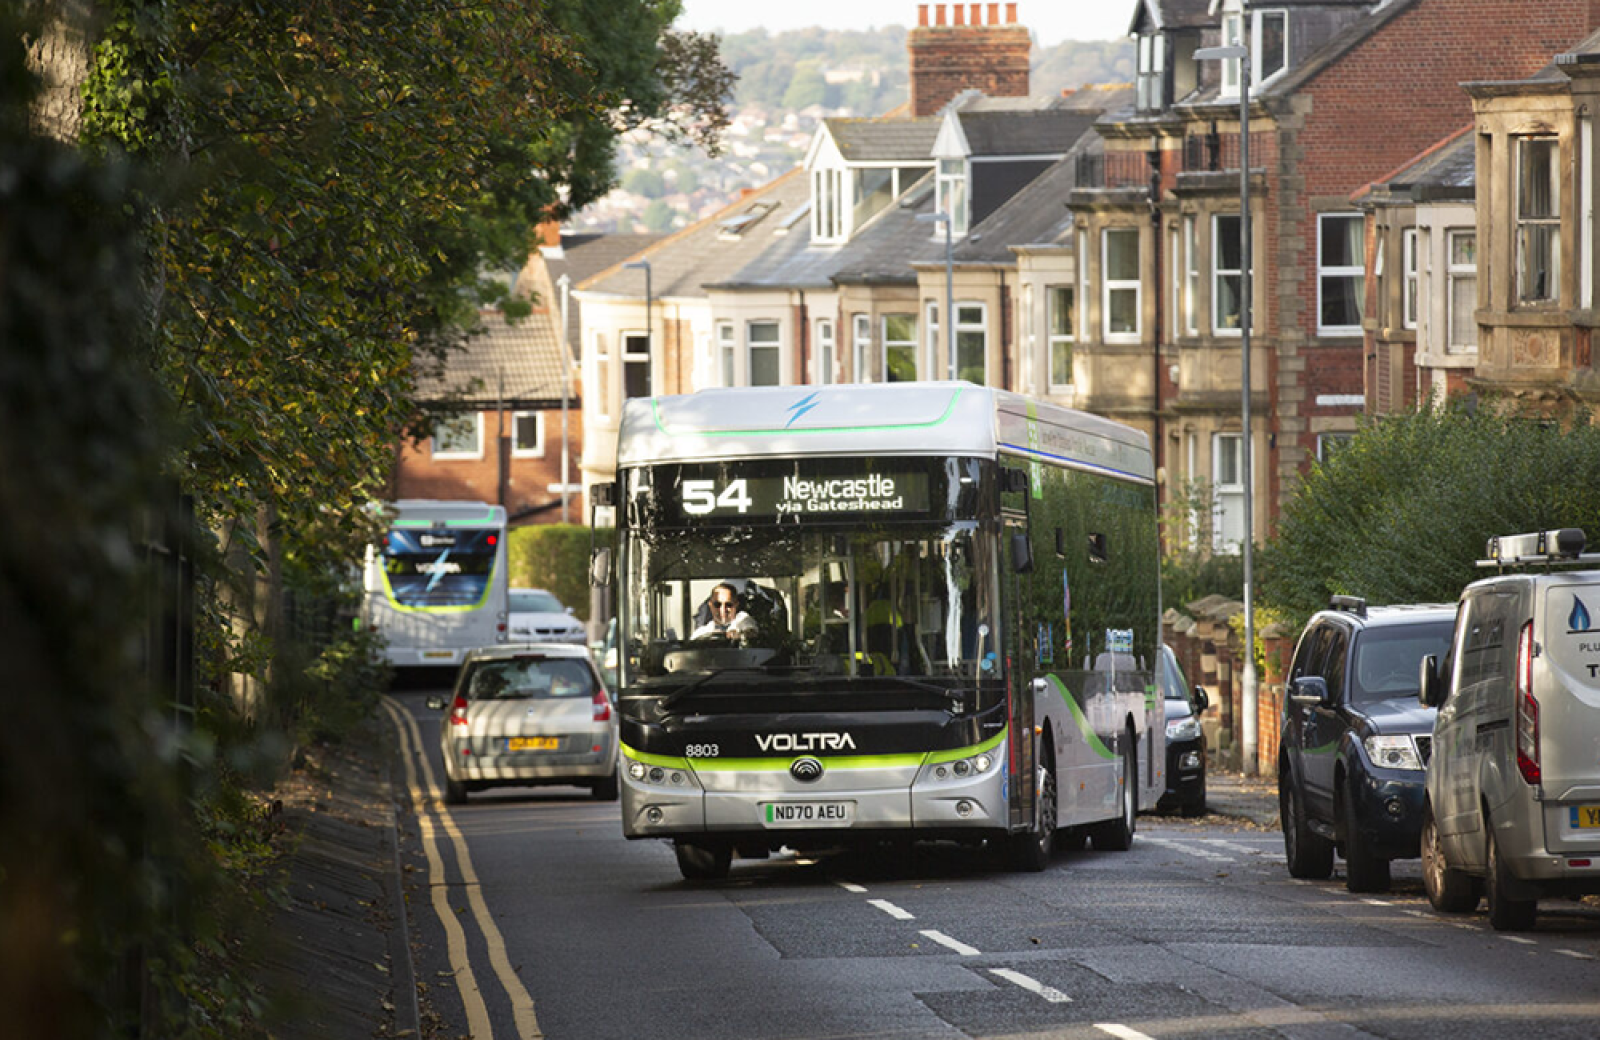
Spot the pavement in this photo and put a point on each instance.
(339, 958)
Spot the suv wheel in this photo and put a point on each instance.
(1364, 871)
(1449, 891)
(1308, 855)
(1506, 914)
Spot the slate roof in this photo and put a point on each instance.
(1174, 14)
(518, 365)
(1036, 215)
(1448, 169)
(884, 140)
(1044, 132)
(706, 253)
(583, 255)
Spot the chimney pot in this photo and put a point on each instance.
(922, 16)
(959, 11)
(1011, 14)
(938, 14)
(994, 14)
(975, 14)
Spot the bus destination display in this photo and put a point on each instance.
(814, 496)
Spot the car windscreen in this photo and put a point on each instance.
(524, 677)
(535, 601)
(1387, 659)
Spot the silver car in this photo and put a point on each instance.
(525, 715)
(537, 616)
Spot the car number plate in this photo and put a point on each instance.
(532, 743)
(809, 814)
(1585, 817)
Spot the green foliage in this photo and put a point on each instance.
(1189, 569)
(645, 181)
(1401, 513)
(555, 557)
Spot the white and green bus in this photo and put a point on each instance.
(436, 586)
(951, 621)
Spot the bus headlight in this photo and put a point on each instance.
(667, 777)
(960, 769)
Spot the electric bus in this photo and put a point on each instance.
(436, 586)
(954, 594)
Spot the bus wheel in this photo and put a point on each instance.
(1117, 835)
(699, 862)
(1030, 850)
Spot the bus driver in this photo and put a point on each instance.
(728, 619)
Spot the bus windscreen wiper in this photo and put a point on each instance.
(693, 684)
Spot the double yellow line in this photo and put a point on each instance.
(427, 802)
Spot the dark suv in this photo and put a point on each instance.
(1355, 742)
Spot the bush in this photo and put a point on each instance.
(1402, 513)
(555, 557)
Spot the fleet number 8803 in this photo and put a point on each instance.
(702, 751)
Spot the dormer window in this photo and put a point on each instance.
(827, 205)
(1152, 70)
(953, 193)
(1268, 42)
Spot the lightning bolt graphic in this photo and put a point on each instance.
(801, 407)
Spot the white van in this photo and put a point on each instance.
(1512, 808)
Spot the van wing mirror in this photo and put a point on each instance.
(1202, 700)
(1430, 687)
(1309, 690)
(600, 567)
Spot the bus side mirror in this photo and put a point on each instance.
(600, 567)
(1430, 689)
(1021, 553)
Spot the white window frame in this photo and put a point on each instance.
(1109, 285)
(828, 206)
(1191, 276)
(1325, 442)
(1218, 272)
(1152, 71)
(827, 351)
(631, 357)
(475, 452)
(954, 193)
(1356, 271)
(1175, 283)
(1054, 339)
(1528, 222)
(932, 309)
(538, 435)
(1228, 495)
(1411, 281)
(908, 345)
(1455, 272)
(861, 347)
(727, 351)
(1233, 33)
(980, 327)
(1081, 258)
(774, 347)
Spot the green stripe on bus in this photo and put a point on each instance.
(774, 765)
(655, 409)
(1089, 736)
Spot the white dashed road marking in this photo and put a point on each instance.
(955, 944)
(1519, 939)
(1121, 1032)
(1233, 846)
(849, 887)
(1049, 993)
(1576, 954)
(892, 910)
(1187, 850)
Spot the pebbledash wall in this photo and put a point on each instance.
(1351, 123)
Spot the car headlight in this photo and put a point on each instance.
(1186, 728)
(1398, 752)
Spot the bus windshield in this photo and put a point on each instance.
(439, 567)
(910, 591)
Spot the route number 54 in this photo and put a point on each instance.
(701, 497)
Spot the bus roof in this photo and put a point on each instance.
(431, 512)
(945, 418)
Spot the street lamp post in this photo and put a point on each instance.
(649, 324)
(564, 283)
(949, 291)
(1249, 739)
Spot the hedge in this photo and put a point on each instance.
(555, 557)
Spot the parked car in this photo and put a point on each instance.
(1186, 741)
(536, 616)
(1512, 811)
(525, 715)
(1354, 741)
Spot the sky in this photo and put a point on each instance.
(1051, 20)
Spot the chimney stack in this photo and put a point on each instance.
(968, 53)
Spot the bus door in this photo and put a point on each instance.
(1020, 664)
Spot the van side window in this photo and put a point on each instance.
(1481, 651)
(1309, 654)
(1333, 664)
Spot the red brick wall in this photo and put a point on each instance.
(947, 59)
(419, 475)
(1384, 102)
